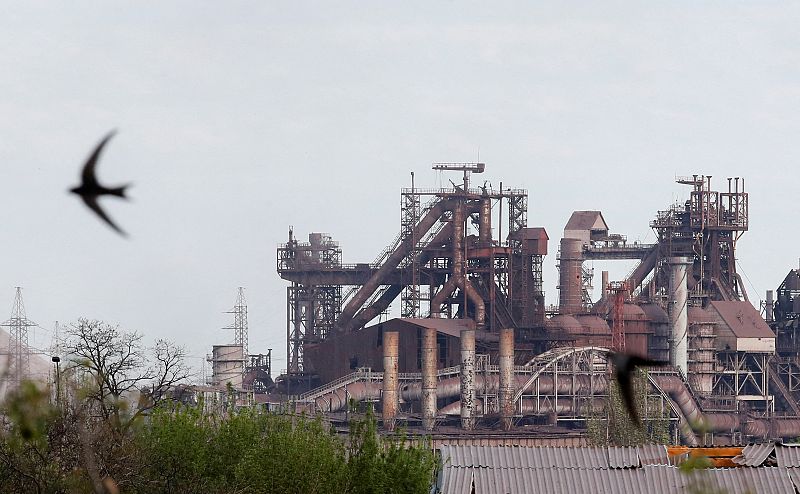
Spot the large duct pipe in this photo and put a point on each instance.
(467, 378)
(449, 388)
(570, 282)
(485, 234)
(428, 378)
(475, 298)
(678, 310)
(380, 305)
(642, 270)
(534, 407)
(367, 289)
(506, 393)
(391, 356)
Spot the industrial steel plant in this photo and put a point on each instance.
(476, 349)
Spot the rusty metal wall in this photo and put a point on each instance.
(391, 354)
(428, 378)
(506, 361)
(467, 378)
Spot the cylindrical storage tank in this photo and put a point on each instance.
(570, 282)
(595, 332)
(428, 378)
(658, 346)
(678, 299)
(637, 329)
(467, 379)
(702, 356)
(391, 355)
(227, 365)
(506, 391)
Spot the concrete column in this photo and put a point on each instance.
(391, 356)
(570, 275)
(428, 378)
(506, 391)
(467, 379)
(678, 311)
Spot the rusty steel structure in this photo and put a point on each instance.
(447, 261)
(475, 348)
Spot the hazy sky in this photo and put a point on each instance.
(238, 119)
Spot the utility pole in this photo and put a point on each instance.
(19, 351)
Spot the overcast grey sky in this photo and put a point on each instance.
(237, 119)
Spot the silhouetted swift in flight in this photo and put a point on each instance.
(624, 367)
(90, 189)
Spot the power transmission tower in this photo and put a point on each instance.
(19, 351)
(239, 325)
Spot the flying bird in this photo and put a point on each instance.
(90, 189)
(624, 367)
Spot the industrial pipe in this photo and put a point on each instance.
(467, 378)
(506, 392)
(485, 233)
(428, 378)
(369, 313)
(678, 310)
(391, 354)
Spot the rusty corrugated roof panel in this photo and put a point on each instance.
(655, 478)
(753, 455)
(788, 455)
(743, 319)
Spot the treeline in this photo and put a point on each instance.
(88, 438)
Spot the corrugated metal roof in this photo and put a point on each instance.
(656, 478)
(788, 455)
(552, 457)
(753, 455)
(743, 319)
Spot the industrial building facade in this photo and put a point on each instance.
(476, 347)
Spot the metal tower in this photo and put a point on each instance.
(239, 325)
(19, 352)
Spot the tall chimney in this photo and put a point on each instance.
(604, 288)
(391, 354)
(506, 392)
(467, 378)
(678, 312)
(428, 378)
(570, 276)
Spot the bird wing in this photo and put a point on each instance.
(91, 203)
(87, 176)
(636, 361)
(624, 379)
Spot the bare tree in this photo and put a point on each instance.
(116, 366)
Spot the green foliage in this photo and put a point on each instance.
(185, 449)
(612, 425)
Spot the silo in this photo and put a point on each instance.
(227, 365)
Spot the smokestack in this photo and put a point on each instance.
(467, 378)
(678, 311)
(570, 276)
(604, 288)
(768, 306)
(391, 354)
(506, 392)
(428, 378)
